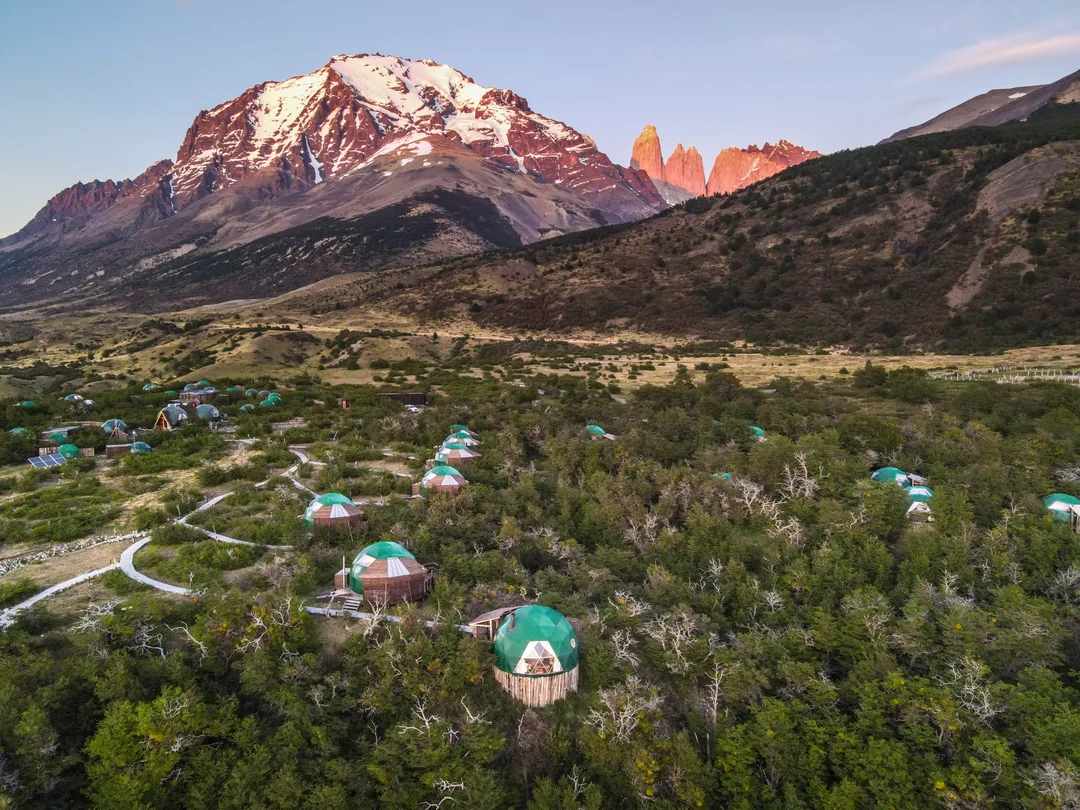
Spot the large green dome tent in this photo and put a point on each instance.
(1061, 506)
(68, 451)
(536, 655)
(111, 426)
(141, 447)
(891, 475)
(208, 413)
(455, 453)
(442, 478)
(170, 417)
(332, 512)
(388, 572)
(463, 437)
(326, 499)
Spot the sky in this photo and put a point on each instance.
(101, 89)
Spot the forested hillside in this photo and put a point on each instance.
(960, 240)
(785, 638)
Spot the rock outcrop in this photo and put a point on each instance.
(686, 170)
(682, 176)
(736, 168)
(647, 155)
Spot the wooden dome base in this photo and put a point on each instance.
(538, 691)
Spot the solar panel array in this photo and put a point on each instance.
(51, 460)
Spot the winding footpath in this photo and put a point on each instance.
(127, 565)
(7, 617)
(127, 558)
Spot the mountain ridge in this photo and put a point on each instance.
(280, 144)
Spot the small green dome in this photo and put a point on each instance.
(68, 451)
(151, 387)
(757, 432)
(248, 408)
(326, 499)
(208, 413)
(1061, 505)
(110, 426)
(535, 641)
(27, 403)
(891, 475)
(385, 550)
(596, 430)
(141, 447)
(250, 392)
(19, 431)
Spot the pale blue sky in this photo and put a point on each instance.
(102, 88)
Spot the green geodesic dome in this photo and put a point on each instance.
(68, 451)
(141, 447)
(208, 413)
(19, 431)
(891, 475)
(384, 550)
(326, 499)
(110, 426)
(535, 641)
(596, 430)
(248, 408)
(27, 403)
(250, 392)
(1060, 505)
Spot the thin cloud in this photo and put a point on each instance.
(1002, 51)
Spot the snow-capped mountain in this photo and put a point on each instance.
(323, 125)
(359, 134)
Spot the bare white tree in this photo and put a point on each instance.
(620, 709)
(674, 633)
(199, 645)
(625, 602)
(624, 644)
(1058, 782)
(967, 680)
(798, 481)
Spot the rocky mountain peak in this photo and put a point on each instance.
(647, 154)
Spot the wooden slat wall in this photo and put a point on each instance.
(538, 691)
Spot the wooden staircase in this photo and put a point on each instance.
(352, 603)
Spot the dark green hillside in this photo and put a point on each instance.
(866, 247)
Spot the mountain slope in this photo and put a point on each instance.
(267, 158)
(997, 107)
(929, 241)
